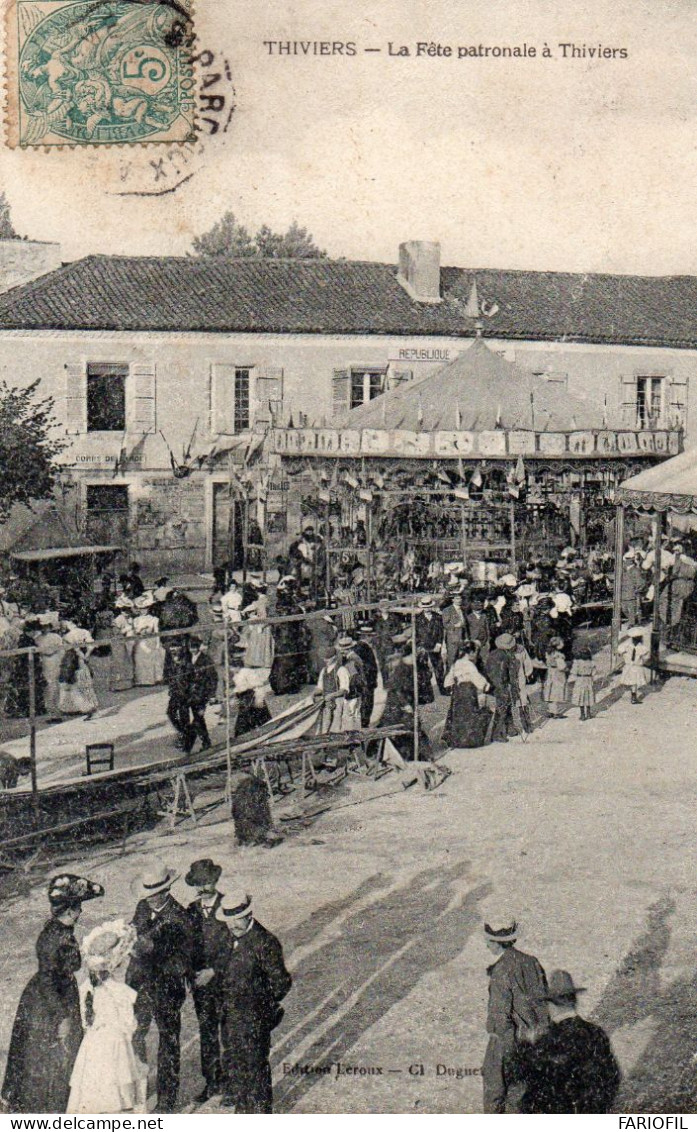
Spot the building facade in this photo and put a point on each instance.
(166, 372)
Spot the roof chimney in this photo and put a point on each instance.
(419, 270)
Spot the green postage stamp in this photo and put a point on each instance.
(101, 72)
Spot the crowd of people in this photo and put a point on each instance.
(81, 1048)
(541, 1056)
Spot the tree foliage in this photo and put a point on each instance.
(228, 237)
(7, 229)
(27, 447)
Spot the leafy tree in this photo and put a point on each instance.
(27, 449)
(228, 237)
(7, 229)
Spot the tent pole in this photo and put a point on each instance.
(617, 591)
(656, 617)
(415, 678)
(32, 738)
(228, 752)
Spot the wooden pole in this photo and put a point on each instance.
(463, 531)
(656, 618)
(327, 556)
(32, 738)
(369, 548)
(617, 590)
(513, 549)
(415, 678)
(228, 739)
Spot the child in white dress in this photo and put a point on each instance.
(107, 1076)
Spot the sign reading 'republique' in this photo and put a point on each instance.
(487, 444)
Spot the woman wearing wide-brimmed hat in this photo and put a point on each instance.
(107, 1075)
(47, 1029)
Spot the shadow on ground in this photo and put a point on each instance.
(664, 1078)
(346, 986)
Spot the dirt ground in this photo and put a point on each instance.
(586, 832)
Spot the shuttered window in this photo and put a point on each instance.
(231, 389)
(341, 393)
(106, 397)
(141, 399)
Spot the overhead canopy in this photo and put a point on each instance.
(50, 554)
(478, 391)
(669, 486)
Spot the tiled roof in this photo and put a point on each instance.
(341, 297)
(478, 390)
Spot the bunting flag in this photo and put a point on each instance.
(519, 473)
(461, 493)
(497, 423)
(254, 448)
(476, 480)
(121, 458)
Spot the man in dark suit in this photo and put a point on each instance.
(209, 941)
(517, 1009)
(159, 970)
(365, 652)
(253, 981)
(571, 1067)
(202, 689)
(477, 627)
(429, 638)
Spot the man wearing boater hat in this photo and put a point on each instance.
(570, 1068)
(517, 1008)
(253, 980)
(159, 970)
(208, 937)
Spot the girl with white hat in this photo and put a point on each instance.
(107, 1075)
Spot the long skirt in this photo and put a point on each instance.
(122, 675)
(466, 723)
(39, 1063)
(148, 662)
(79, 697)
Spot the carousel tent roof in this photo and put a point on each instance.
(489, 392)
(669, 486)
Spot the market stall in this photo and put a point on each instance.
(481, 462)
(663, 493)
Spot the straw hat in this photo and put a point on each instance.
(155, 879)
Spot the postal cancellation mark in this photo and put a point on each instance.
(101, 72)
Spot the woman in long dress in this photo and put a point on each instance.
(76, 695)
(122, 646)
(467, 722)
(107, 1076)
(47, 1029)
(554, 692)
(51, 648)
(149, 655)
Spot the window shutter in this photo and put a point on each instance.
(222, 398)
(628, 405)
(341, 393)
(76, 397)
(676, 415)
(268, 392)
(142, 397)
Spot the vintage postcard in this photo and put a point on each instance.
(348, 557)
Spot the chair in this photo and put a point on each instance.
(100, 756)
